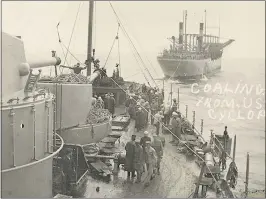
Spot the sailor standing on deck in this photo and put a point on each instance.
(137, 120)
(144, 139)
(167, 113)
(151, 161)
(129, 162)
(139, 160)
(174, 106)
(147, 111)
(127, 103)
(176, 127)
(158, 119)
(111, 104)
(153, 110)
(158, 146)
(226, 137)
(105, 101)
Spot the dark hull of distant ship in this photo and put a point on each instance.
(187, 68)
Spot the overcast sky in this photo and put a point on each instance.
(149, 23)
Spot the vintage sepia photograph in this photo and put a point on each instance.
(133, 99)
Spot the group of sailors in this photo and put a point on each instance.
(143, 155)
(107, 103)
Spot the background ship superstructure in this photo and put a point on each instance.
(193, 55)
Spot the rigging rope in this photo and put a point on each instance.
(118, 48)
(109, 52)
(119, 21)
(72, 32)
(116, 38)
(95, 33)
(73, 55)
(59, 39)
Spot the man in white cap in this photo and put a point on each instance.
(157, 121)
(144, 139)
(176, 127)
(151, 161)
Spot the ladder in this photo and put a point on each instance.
(31, 82)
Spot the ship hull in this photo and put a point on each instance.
(189, 69)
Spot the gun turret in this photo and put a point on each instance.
(15, 66)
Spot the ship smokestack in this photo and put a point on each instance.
(200, 38)
(181, 32)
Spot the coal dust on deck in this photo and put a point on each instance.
(176, 179)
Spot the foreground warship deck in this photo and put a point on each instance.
(176, 179)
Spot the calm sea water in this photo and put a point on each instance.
(242, 111)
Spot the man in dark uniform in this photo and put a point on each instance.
(77, 69)
(130, 153)
(106, 101)
(138, 118)
(111, 104)
(226, 137)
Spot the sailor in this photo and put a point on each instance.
(176, 127)
(142, 118)
(137, 119)
(127, 102)
(129, 161)
(167, 113)
(174, 106)
(139, 160)
(100, 101)
(226, 136)
(151, 95)
(111, 104)
(131, 108)
(76, 69)
(222, 160)
(160, 96)
(144, 139)
(144, 88)
(158, 119)
(147, 111)
(151, 162)
(116, 71)
(106, 100)
(158, 147)
(153, 110)
(96, 64)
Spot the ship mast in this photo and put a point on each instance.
(89, 56)
(219, 31)
(185, 29)
(205, 26)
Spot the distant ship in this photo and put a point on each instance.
(193, 56)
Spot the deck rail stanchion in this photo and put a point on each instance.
(193, 122)
(201, 127)
(178, 98)
(247, 176)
